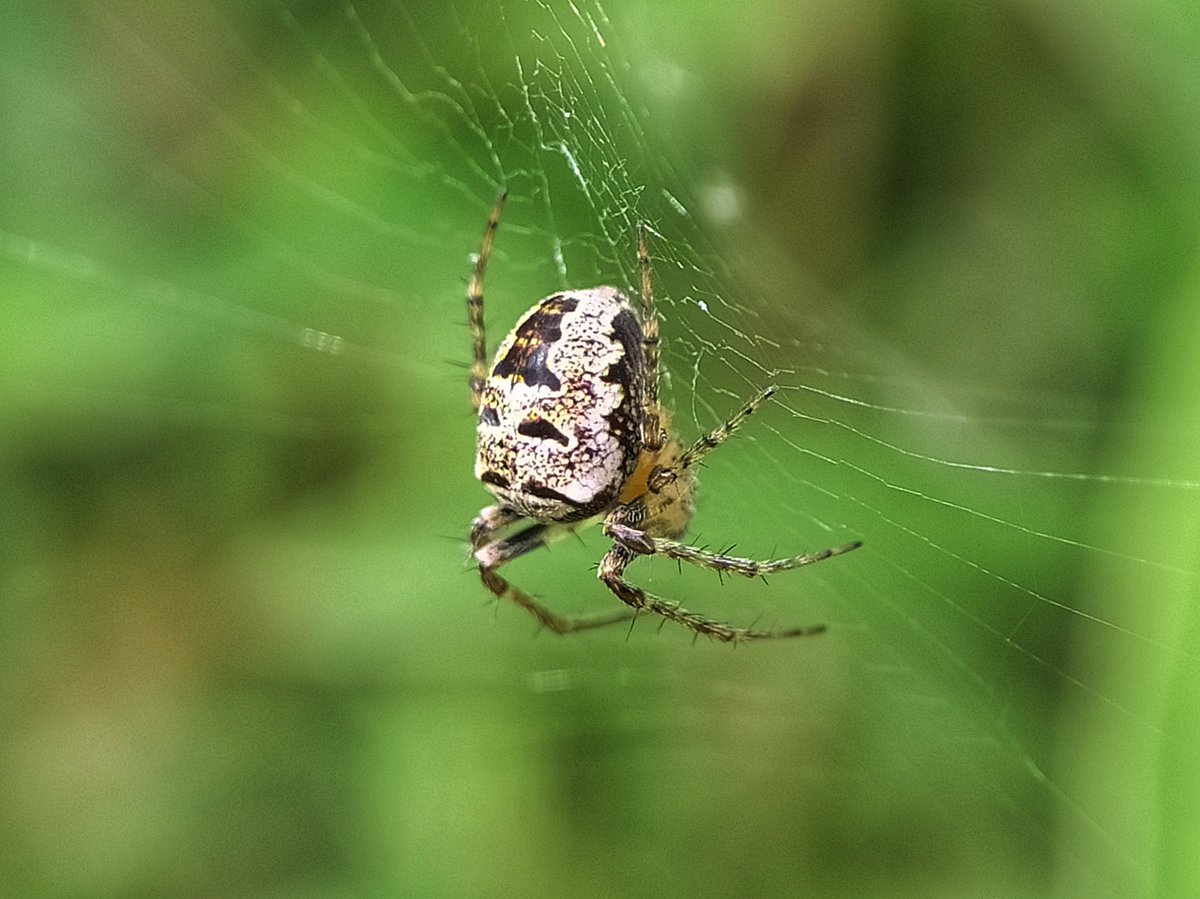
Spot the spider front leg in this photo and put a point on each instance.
(491, 554)
(490, 520)
(559, 624)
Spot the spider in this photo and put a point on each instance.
(571, 433)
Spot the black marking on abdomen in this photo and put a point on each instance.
(489, 416)
(526, 358)
(627, 368)
(624, 421)
(496, 480)
(542, 429)
(541, 491)
(527, 362)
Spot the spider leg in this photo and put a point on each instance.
(559, 624)
(663, 476)
(475, 304)
(491, 554)
(612, 569)
(495, 553)
(490, 520)
(653, 434)
(644, 544)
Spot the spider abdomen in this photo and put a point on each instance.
(560, 411)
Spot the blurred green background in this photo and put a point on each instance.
(240, 651)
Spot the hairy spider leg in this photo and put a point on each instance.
(665, 475)
(646, 545)
(490, 520)
(612, 568)
(560, 624)
(475, 304)
(653, 433)
(624, 525)
(492, 554)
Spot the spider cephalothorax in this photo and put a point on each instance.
(571, 432)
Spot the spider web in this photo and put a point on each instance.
(235, 307)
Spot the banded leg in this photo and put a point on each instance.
(559, 624)
(646, 545)
(665, 475)
(653, 434)
(491, 554)
(612, 569)
(475, 304)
